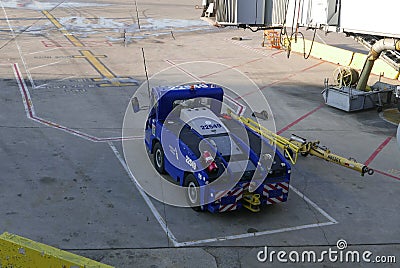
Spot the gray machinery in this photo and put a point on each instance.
(352, 93)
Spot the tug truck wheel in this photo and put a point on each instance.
(192, 192)
(159, 158)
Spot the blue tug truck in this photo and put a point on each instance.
(223, 164)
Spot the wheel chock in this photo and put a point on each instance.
(252, 202)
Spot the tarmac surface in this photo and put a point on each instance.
(67, 74)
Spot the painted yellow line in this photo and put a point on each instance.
(88, 55)
(114, 82)
(97, 64)
(67, 34)
(117, 84)
(107, 75)
(392, 115)
(17, 251)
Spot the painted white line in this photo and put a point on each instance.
(320, 210)
(26, 98)
(17, 45)
(247, 235)
(288, 229)
(195, 77)
(65, 78)
(258, 51)
(44, 65)
(319, 37)
(59, 80)
(146, 198)
(42, 51)
(30, 114)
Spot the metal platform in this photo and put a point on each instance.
(350, 99)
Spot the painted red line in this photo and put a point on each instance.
(378, 150)
(235, 101)
(311, 67)
(284, 79)
(276, 53)
(387, 174)
(226, 69)
(300, 119)
(260, 89)
(24, 91)
(183, 70)
(32, 116)
(254, 91)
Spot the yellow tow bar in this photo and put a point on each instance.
(251, 201)
(295, 145)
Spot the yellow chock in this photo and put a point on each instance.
(252, 202)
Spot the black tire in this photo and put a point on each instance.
(192, 192)
(379, 109)
(159, 158)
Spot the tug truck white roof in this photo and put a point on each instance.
(202, 120)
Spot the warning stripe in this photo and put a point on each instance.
(274, 200)
(272, 186)
(268, 187)
(228, 207)
(265, 191)
(219, 195)
(284, 186)
(236, 191)
(246, 185)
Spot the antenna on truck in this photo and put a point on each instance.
(145, 70)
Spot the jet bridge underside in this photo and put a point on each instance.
(349, 16)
